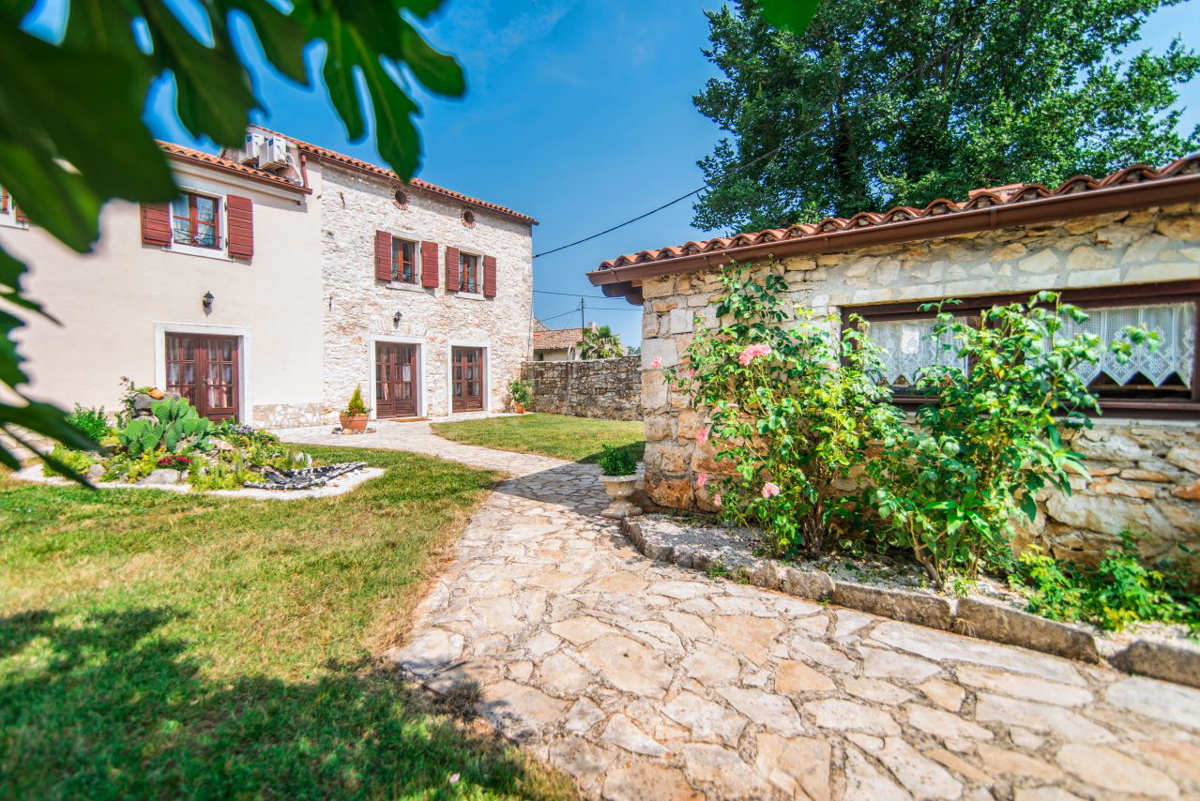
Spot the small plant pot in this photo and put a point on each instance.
(519, 408)
(619, 488)
(354, 422)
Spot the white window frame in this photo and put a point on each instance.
(422, 396)
(479, 263)
(198, 187)
(418, 285)
(8, 218)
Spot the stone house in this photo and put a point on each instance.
(286, 275)
(1125, 248)
(555, 344)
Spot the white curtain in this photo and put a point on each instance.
(1175, 324)
(908, 346)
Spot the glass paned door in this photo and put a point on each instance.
(466, 379)
(395, 380)
(204, 369)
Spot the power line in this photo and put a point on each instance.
(770, 153)
(568, 294)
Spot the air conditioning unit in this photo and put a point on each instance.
(273, 153)
(253, 149)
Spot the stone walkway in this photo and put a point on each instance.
(643, 680)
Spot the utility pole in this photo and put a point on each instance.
(582, 320)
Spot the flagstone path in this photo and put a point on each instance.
(645, 681)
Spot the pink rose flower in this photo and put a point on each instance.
(753, 352)
(717, 501)
(770, 490)
(701, 480)
(656, 363)
(691, 373)
(702, 436)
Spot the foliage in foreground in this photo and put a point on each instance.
(163, 645)
(1117, 592)
(800, 413)
(576, 439)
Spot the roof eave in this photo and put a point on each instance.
(617, 281)
(278, 183)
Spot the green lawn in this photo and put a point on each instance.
(577, 439)
(163, 645)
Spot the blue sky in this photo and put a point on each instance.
(579, 113)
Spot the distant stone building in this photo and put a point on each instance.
(555, 344)
(1125, 248)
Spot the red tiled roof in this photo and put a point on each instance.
(228, 165)
(416, 183)
(557, 338)
(833, 230)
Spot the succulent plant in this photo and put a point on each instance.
(176, 426)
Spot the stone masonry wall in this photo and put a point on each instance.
(608, 389)
(1146, 474)
(359, 310)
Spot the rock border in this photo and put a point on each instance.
(338, 486)
(970, 617)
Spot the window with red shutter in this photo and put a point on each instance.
(156, 224)
(468, 270)
(429, 264)
(489, 276)
(452, 269)
(196, 220)
(241, 227)
(404, 260)
(383, 256)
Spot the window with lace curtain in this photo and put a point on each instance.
(1165, 382)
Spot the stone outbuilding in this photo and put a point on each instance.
(1126, 248)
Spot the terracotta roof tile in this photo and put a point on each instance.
(990, 197)
(557, 338)
(228, 165)
(416, 183)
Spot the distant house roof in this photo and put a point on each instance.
(1134, 187)
(230, 166)
(557, 338)
(367, 167)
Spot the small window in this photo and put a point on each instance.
(195, 221)
(1162, 382)
(5, 203)
(468, 218)
(8, 211)
(400, 199)
(468, 272)
(404, 260)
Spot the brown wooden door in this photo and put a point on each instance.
(205, 370)
(395, 380)
(466, 379)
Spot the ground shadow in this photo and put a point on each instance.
(113, 707)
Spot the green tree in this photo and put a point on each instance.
(72, 137)
(599, 342)
(876, 105)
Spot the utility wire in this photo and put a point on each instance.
(770, 153)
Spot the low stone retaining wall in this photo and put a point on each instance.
(608, 389)
(732, 552)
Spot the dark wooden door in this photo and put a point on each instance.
(206, 371)
(466, 379)
(395, 380)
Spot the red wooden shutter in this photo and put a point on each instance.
(241, 227)
(453, 280)
(20, 215)
(489, 276)
(383, 256)
(156, 224)
(429, 264)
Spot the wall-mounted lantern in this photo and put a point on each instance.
(207, 300)
(397, 317)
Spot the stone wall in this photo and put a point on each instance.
(609, 389)
(360, 311)
(1147, 473)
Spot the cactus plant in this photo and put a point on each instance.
(176, 425)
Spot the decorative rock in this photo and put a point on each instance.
(912, 607)
(95, 472)
(1002, 624)
(1161, 660)
(160, 476)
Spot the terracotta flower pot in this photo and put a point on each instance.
(519, 408)
(619, 488)
(355, 422)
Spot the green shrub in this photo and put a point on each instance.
(356, 404)
(218, 474)
(77, 462)
(793, 407)
(92, 422)
(617, 461)
(520, 391)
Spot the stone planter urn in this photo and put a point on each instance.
(354, 422)
(619, 488)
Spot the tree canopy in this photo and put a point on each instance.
(599, 342)
(879, 104)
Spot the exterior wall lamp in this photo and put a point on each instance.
(207, 300)
(397, 317)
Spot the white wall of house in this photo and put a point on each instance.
(116, 303)
(360, 310)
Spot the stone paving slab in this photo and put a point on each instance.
(644, 680)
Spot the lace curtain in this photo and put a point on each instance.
(908, 345)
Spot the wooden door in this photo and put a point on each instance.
(205, 370)
(395, 380)
(466, 379)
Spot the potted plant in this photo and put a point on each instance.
(355, 417)
(618, 469)
(521, 395)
